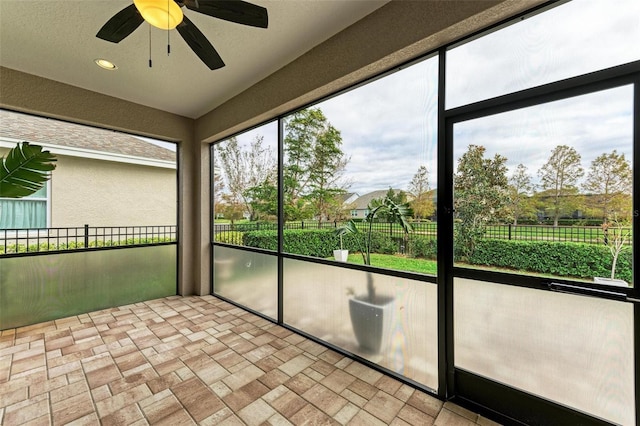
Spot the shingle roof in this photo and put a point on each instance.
(363, 202)
(29, 128)
(344, 197)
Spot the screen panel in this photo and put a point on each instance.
(541, 189)
(40, 288)
(574, 38)
(247, 278)
(318, 300)
(574, 350)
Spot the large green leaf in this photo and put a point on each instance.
(25, 170)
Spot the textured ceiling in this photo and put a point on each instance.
(56, 39)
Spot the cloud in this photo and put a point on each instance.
(593, 124)
(389, 126)
(572, 39)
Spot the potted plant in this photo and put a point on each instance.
(341, 255)
(615, 237)
(372, 314)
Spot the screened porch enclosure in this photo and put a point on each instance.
(513, 289)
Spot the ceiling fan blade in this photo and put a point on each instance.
(199, 44)
(121, 24)
(240, 12)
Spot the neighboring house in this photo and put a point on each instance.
(102, 177)
(349, 197)
(360, 206)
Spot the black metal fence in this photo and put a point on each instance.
(232, 233)
(13, 241)
(576, 234)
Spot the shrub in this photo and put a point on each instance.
(563, 259)
(74, 245)
(267, 240)
(423, 247)
(317, 242)
(230, 237)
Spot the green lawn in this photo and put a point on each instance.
(401, 263)
(425, 266)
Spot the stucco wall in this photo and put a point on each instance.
(105, 193)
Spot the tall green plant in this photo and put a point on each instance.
(394, 213)
(25, 170)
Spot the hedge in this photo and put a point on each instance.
(423, 247)
(317, 242)
(563, 259)
(74, 245)
(567, 259)
(253, 226)
(229, 237)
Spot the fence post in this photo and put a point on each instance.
(86, 236)
(302, 224)
(509, 231)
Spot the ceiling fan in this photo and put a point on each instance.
(167, 14)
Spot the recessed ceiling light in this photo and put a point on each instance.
(107, 65)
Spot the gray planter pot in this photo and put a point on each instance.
(372, 322)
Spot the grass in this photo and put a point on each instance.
(397, 262)
(430, 267)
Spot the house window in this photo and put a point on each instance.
(25, 213)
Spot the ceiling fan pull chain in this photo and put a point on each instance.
(150, 63)
(168, 31)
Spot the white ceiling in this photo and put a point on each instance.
(56, 39)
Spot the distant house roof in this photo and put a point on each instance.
(363, 202)
(29, 128)
(347, 196)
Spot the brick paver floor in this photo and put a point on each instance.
(196, 360)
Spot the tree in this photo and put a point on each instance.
(520, 188)
(397, 197)
(560, 176)
(218, 186)
(609, 180)
(421, 194)
(264, 200)
(326, 169)
(245, 168)
(314, 165)
(480, 194)
(230, 208)
(616, 236)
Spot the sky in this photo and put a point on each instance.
(388, 126)
(168, 145)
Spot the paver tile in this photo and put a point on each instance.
(325, 399)
(310, 415)
(384, 406)
(196, 360)
(199, 401)
(449, 418)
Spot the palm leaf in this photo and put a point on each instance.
(25, 170)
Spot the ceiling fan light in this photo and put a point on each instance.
(155, 12)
